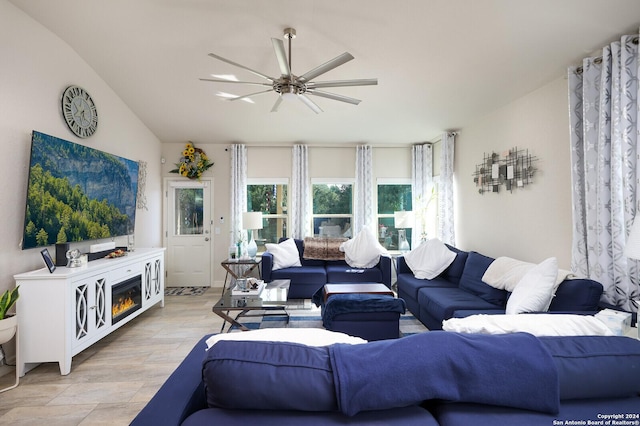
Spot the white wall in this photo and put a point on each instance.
(36, 68)
(534, 222)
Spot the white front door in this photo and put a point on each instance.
(188, 233)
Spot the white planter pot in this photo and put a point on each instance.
(8, 327)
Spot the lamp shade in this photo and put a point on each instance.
(252, 220)
(632, 249)
(403, 219)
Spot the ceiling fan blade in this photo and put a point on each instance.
(308, 102)
(333, 96)
(249, 95)
(326, 67)
(259, 74)
(281, 56)
(343, 83)
(220, 80)
(277, 104)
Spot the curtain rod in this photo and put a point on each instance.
(598, 59)
(350, 145)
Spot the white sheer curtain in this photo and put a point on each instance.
(446, 230)
(300, 193)
(603, 109)
(421, 188)
(364, 214)
(238, 190)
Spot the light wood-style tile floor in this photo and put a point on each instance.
(112, 380)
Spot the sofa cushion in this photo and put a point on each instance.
(505, 273)
(534, 291)
(429, 259)
(405, 416)
(596, 366)
(285, 254)
(410, 284)
(342, 273)
(364, 250)
(442, 302)
(454, 271)
(491, 415)
(471, 279)
(302, 274)
(575, 295)
(270, 376)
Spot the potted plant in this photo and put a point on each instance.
(8, 324)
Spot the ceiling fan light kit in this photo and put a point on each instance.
(290, 86)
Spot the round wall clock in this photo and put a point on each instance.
(79, 111)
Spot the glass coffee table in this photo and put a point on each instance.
(272, 298)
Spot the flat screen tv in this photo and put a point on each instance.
(76, 193)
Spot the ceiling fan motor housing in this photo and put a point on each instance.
(284, 87)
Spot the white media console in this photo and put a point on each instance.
(62, 313)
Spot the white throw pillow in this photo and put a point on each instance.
(364, 250)
(285, 254)
(536, 324)
(304, 336)
(535, 290)
(429, 259)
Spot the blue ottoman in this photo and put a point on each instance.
(369, 316)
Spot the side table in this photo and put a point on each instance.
(240, 268)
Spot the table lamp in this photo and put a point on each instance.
(403, 220)
(251, 221)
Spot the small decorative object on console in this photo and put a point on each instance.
(74, 258)
(47, 260)
(117, 253)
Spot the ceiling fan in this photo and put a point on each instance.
(289, 85)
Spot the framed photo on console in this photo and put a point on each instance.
(48, 260)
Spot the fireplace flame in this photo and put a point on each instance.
(121, 306)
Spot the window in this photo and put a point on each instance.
(271, 200)
(332, 209)
(392, 197)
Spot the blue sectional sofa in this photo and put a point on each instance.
(513, 379)
(459, 292)
(314, 273)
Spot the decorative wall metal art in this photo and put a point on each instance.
(514, 169)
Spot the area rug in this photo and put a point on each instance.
(185, 291)
(307, 315)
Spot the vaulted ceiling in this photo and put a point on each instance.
(440, 64)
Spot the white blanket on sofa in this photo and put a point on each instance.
(505, 273)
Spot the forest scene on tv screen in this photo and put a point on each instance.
(77, 193)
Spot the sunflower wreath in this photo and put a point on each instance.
(193, 162)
